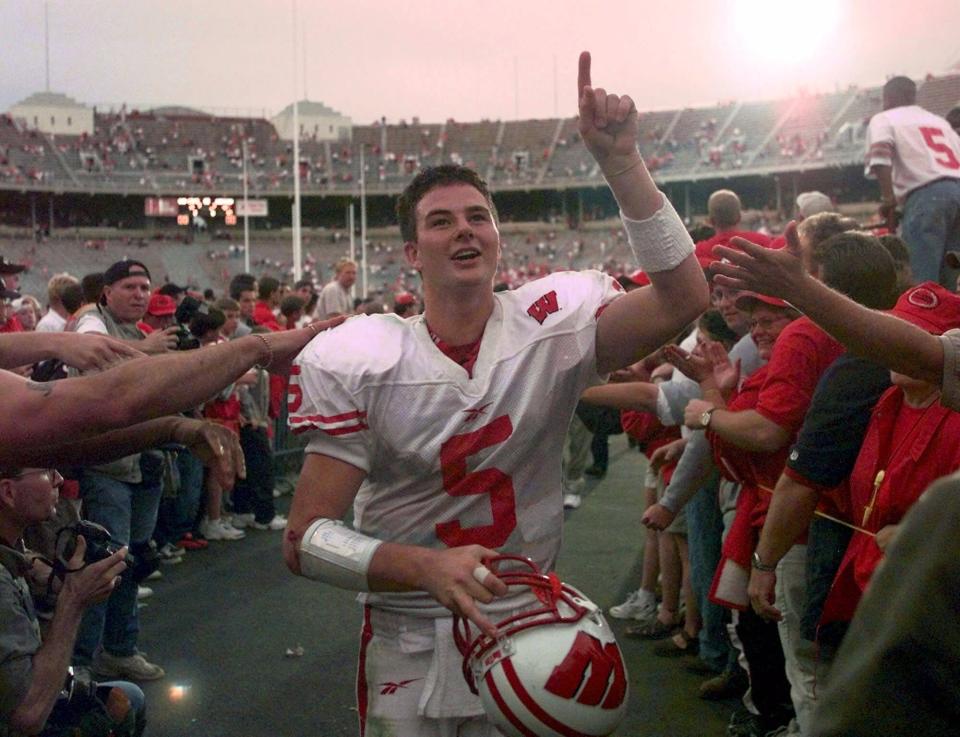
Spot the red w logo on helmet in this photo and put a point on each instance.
(606, 673)
(544, 306)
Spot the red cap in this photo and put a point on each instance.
(639, 277)
(749, 300)
(929, 306)
(404, 298)
(162, 305)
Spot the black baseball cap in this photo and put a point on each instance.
(123, 269)
(8, 293)
(9, 268)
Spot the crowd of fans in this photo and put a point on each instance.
(781, 465)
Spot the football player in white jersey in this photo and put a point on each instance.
(445, 431)
(915, 156)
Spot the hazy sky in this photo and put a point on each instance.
(466, 60)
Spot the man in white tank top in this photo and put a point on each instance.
(915, 156)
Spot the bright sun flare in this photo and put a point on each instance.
(784, 30)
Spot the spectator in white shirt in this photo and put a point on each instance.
(335, 297)
(56, 318)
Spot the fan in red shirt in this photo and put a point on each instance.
(269, 300)
(911, 441)
(724, 213)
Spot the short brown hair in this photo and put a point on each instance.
(431, 178)
(55, 287)
(818, 228)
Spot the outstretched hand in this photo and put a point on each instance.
(692, 365)
(217, 448)
(726, 375)
(608, 123)
(775, 272)
(287, 344)
(94, 352)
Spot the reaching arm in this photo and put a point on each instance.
(747, 429)
(637, 395)
(640, 322)
(85, 351)
(882, 338)
(137, 390)
(326, 488)
(214, 444)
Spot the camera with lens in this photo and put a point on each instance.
(189, 308)
(100, 543)
(186, 341)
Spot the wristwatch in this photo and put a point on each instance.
(760, 565)
(705, 418)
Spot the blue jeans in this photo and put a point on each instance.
(129, 512)
(178, 514)
(931, 227)
(704, 532)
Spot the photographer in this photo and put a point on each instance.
(34, 698)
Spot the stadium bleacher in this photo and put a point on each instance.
(174, 149)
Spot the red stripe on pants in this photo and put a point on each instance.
(366, 634)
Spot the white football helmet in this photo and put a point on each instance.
(554, 670)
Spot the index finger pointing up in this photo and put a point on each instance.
(583, 77)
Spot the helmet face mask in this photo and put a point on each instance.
(554, 669)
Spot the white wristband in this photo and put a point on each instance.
(661, 242)
(333, 553)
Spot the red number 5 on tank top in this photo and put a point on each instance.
(492, 481)
(930, 136)
(294, 392)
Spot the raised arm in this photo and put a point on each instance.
(639, 323)
(888, 340)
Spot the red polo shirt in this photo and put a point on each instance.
(263, 315)
(913, 447)
(800, 356)
(12, 325)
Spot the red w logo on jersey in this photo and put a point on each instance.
(607, 675)
(544, 306)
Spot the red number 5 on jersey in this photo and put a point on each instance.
(948, 158)
(457, 482)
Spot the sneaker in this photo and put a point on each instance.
(636, 607)
(169, 550)
(571, 501)
(156, 575)
(193, 542)
(279, 522)
(242, 521)
(132, 667)
(220, 530)
(575, 486)
(144, 592)
(727, 685)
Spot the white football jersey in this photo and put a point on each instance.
(920, 146)
(453, 460)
